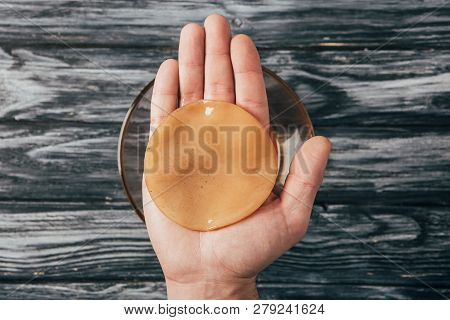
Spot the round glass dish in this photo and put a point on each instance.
(288, 119)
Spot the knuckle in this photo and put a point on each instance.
(219, 88)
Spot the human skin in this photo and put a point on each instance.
(224, 263)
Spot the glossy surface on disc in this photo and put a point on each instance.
(210, 164)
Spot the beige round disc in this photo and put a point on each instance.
(210, 164)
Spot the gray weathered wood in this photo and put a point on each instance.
(391, 88)
(156, 290)
(76, 161)
(85, 290)
(311, 24)
(348, 245)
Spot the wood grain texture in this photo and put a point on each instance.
(157, 290)
(311, 24)
(370, 165)
(385, 88)
(348, 245)
(85, 290)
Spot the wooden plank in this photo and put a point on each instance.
(84, 290)
(77, 162)
(310, 24)
(387, 165)
(57, 161)
(353, 291)
(391, 88)
(348, 245)
(156, 290)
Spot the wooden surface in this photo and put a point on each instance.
(374, 76)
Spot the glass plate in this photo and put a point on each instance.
(288, 118)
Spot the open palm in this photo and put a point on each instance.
(224, 263)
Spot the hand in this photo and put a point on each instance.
(224, 263)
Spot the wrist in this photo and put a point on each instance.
(241, 289)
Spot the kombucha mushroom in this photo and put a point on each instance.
(210, 164)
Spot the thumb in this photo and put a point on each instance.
(305, 177)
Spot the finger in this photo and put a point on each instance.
(219, 84)
(305, 177)
(191, 59)
(165, 92)
(249, 86)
